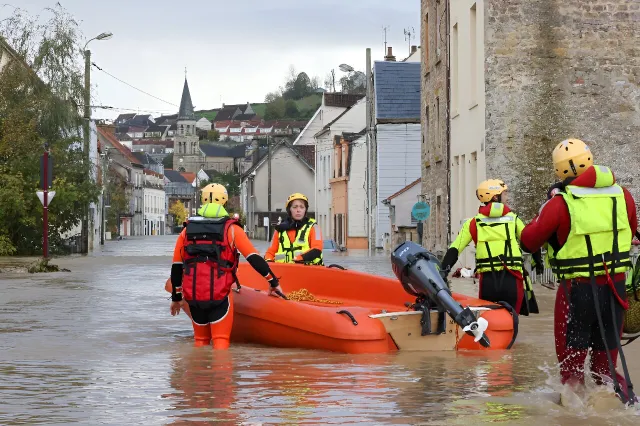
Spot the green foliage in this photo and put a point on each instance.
(213, 135)
(119, 195)
(230, 180)
(296, 100)
(167, 161)
(275, 110)
(208, 114)
(40, 99)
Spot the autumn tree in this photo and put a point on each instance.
(179, 212)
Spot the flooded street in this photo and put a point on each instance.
(97, 345)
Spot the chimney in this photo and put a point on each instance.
(255, 151)
(389, 57)
(414, 49)
(109, 128)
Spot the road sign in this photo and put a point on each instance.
(49, 198)
(420, 210)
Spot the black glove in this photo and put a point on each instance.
(273, 282)
(553, 189)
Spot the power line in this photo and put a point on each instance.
(132, 86)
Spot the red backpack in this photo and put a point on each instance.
(210, 263)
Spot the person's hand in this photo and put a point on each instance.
(175, 308)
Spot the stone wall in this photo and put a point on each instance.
(557, 69)
(434, 36)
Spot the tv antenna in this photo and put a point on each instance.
(385, 29)
(409, 34)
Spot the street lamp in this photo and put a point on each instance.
(85, 127)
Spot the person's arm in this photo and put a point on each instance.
(176, 268)
(631, 211)
(461, 242)
(241, 242)
(315, 245)
(270, 255)
(544, 225)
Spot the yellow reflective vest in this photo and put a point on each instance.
(287, 250)
(600, 236)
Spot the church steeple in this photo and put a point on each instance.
(186, 106)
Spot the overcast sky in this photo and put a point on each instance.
(234, 51)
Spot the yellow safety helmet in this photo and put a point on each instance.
(571, 158)
(296, 196)
(489, 189)
(215, 193)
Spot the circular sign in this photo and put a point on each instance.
(420, 210)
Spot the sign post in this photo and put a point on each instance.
(420, 212)
(46, 174)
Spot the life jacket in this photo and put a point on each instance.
(497, 244)
(287, 251)
(599, 239)
(210, 262)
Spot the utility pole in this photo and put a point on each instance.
(45, 204)
(369, 113)
(269, 168)
(84, 233)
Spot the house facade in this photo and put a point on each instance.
(396, 139)
(403, 226)
(351, 120)
(292, 170)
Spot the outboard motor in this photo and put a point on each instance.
(420, 274)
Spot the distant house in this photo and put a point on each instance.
(396, 139)
(236, 112)
(177, 188)
(403, 226)
(333, 104)
(203, 124)
(292, 170)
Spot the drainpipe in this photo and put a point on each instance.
(448, 158)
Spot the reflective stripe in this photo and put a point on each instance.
(496, 209)
(610, 190)
(281, 256)
(297, 253)
(496, 219)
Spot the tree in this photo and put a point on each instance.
(230, 180)
(167, 161)
(291, 109)
(119, 196)
(275, 110)
(213, 135)
(354, 83)
(179, 212)
(41, 96)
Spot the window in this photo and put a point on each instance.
(473, 46)
(425, 42)
(454, 71)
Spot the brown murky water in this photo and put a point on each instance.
(98, 346)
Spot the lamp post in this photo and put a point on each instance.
(85, 127)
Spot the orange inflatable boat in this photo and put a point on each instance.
(354, 312)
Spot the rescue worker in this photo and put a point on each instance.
(495, 231)
(297, 239)
(205, 260)
(588, 223)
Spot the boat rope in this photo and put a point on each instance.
(303, 295)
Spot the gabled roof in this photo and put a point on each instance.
(212, 150)
(307, 126)
(186, 106)
(144, 158)
(397, 91)
(403, 190)
(188, 176)
(117, 145)
(174, 176)
(296, 151)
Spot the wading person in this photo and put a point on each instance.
(495, 231)
(205, 261)
(588, 223)
(297, 239)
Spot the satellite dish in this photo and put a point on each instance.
(345, 68)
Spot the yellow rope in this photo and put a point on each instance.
(303, 295)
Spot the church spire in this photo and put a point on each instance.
(186, 106)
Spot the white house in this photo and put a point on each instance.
(203, 124)
(403, 226)
(292, 170)
(154, 203)
(333, 104)
(351, 120)
(396, 139)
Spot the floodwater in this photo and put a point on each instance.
(97, 345)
